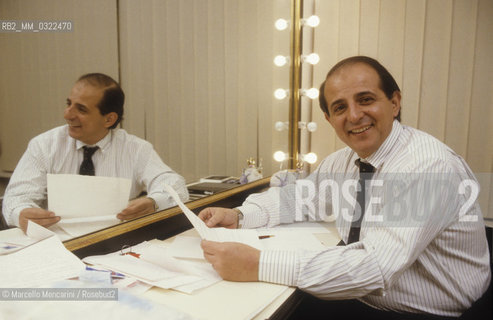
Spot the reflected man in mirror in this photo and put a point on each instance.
(93, 111)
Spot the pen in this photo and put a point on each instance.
(265, 237)
(112, 273)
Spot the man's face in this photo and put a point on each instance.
(359, 111)
(86, 123)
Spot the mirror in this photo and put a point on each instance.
(198, 76)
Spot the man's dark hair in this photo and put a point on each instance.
(113, 96)
(387, 82)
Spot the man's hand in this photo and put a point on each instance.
(233, 261)
(40, 216)
(136, 208)
(219, 217)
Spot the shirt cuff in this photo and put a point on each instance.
(164, 200)
(251, 217)
(278, 267)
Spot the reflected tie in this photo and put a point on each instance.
(87, 167)
(366, 171)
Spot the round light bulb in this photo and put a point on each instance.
(280, 94)
(311, 158)
(313, 21)
(311, 93)
(280, 125)
(279, 156)
(312, 126)
(281, 24)
(280, 60)
(312, 58)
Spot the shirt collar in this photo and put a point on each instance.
(102, 144)
(378, 157)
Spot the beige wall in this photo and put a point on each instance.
(199, 79)
(38, 69)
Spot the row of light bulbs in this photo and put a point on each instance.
(281, 156)
(312, 58)
(310, 126)
(312, 93)
(312, 21)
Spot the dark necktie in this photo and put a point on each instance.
(87, 166)
(366, 171)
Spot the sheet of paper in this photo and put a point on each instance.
(159, 255)
(37, 264)
(83, 228)
(157, 268)
(289, 239)
(132, 266)
(37, 232)
(79, 196)
(15, 239)
(248, 237)
(186, 247)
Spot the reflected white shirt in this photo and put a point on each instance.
(119, 155)
(440, 266)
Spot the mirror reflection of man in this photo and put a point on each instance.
(94, 110)
(428, 264)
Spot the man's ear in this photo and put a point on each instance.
(396, 103)
(110, 119)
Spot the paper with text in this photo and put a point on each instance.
(40, 263)
(246, 236)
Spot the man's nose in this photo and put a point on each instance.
(355, 113)
(68, 113)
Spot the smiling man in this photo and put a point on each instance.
(420, 251)
(94, 110)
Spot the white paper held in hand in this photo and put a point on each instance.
(249, 237)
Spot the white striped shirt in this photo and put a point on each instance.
(119, 155)
(426, 260)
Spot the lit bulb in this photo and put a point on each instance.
(312, 58)
(311, 158)
(281, 24)
(280, 94)
(279, 156)
(311, 93)
(281, 125)
(280, 60)
(313, 21)
(311, 126)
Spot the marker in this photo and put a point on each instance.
(265, 237)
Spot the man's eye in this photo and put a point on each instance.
(366, 100)
(339, 108)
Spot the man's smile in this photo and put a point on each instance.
(360, 129)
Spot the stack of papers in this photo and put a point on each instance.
(42, 260)
(152, 264)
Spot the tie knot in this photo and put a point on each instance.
(365, 167)
(89, 151)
